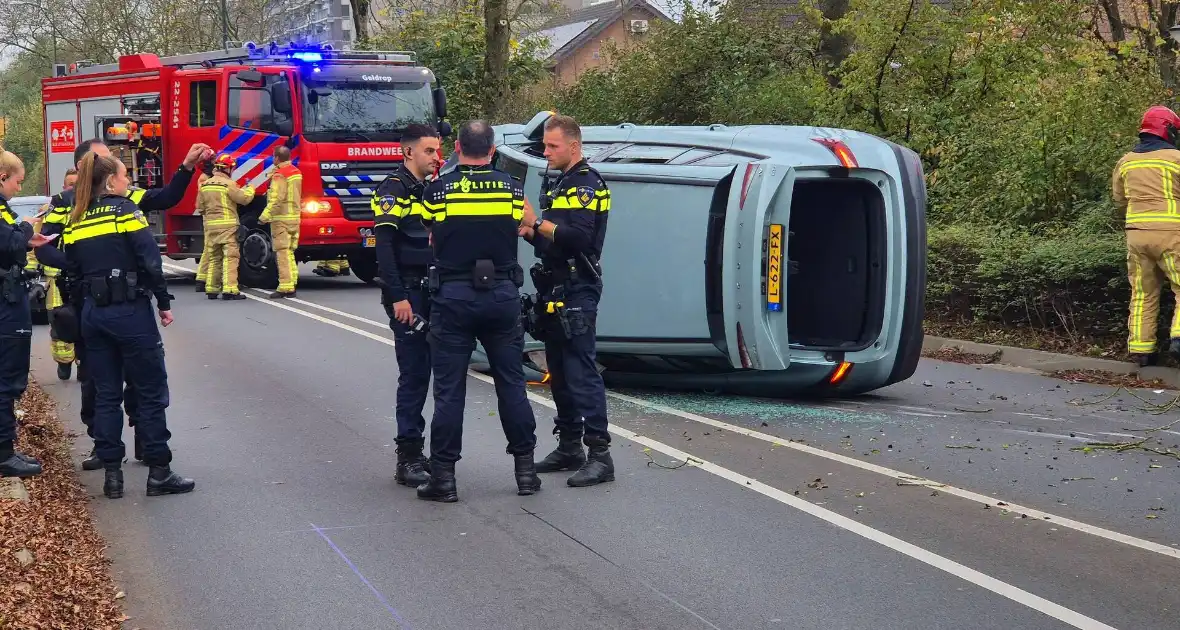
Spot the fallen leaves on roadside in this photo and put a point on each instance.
(1100, 377)
(49, 549)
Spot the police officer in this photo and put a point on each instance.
(403, 256)
(16, 323)
(474, 213)
(55, 223)
(107, 242)
(568, 239)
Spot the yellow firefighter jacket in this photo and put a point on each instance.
(218, 200)
(285, 196)
(1147, 186)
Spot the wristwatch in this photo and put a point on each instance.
(537, 224)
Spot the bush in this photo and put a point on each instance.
(1065, 283)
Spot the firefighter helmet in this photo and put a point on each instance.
(1161, 121)
(227, 162)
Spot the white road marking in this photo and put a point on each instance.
(966, 573)
(921, 415)
(1059, 521)
(1056, 436)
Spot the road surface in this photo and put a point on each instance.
(952, 500)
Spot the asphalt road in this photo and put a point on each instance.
(952, 500)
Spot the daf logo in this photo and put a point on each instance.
(377, 77)
(334, 166)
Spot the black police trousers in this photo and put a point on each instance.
(413, 369)
(16, 337)
(118, 338)
(89, 393)
(461, 314)
(578, 390)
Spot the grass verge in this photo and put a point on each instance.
(54, 571)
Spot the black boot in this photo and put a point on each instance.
(527, 481)
(232, 296)
(441, 486)
(598, 467)
(161, 480)
(200, 287)
(14, 464)
(92, 462)
(278, 295)
(112, 486)
(1144, 359)
(64, 370)
(411, 465)
(1174, 349)
(212, 296)
(567, 456)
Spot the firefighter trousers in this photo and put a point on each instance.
(62, 352)
(1152, 257)
(203, 267)
(224, 255)
(285, 236)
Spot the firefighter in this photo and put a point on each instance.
(403, 256)
(16, 324)
(1145, 184)
(474, 214)
(63, 352)
(568, 239)
(55, 223)
(218, 200)
(203, 264)
(283, 206)
(332, 268)
(119, 262)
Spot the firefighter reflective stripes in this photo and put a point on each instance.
(1169, 172)
(254, 151)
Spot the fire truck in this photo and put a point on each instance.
(340, 112)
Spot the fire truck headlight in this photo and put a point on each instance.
(316, 207)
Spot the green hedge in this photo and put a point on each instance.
(1068, 284)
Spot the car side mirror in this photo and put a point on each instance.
(250, 76)
(285, 127)
(444, 129)
(280, 94)
(440, 102)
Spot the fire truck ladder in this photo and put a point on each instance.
(254, 54)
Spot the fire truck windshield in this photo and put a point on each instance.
(346, 109)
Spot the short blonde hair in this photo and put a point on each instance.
(10, 164)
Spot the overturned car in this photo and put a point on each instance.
(764, 260)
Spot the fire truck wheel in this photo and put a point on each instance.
(364, 265)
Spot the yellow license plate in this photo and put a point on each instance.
(774, 269)
(370, 241)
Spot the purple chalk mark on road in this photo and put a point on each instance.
(377, 593)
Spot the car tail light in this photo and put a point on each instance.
(839, 373)
(746, 184)
(741, 340)
(841, 151)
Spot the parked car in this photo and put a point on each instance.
(26, 207)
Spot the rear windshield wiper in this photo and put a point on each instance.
(352, 134)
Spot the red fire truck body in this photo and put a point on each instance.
(339, 111)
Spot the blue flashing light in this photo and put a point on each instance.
(307, 56)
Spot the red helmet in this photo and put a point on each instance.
(227, 162)
(1161, 121)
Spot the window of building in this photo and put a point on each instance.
(202, 104)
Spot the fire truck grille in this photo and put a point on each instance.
(354, 185)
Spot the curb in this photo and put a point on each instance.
(1052, 362)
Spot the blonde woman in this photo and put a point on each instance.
(16, 321)
(109, 244)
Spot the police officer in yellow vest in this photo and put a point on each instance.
(1146, 182)
(63, 353)
(218, 199)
